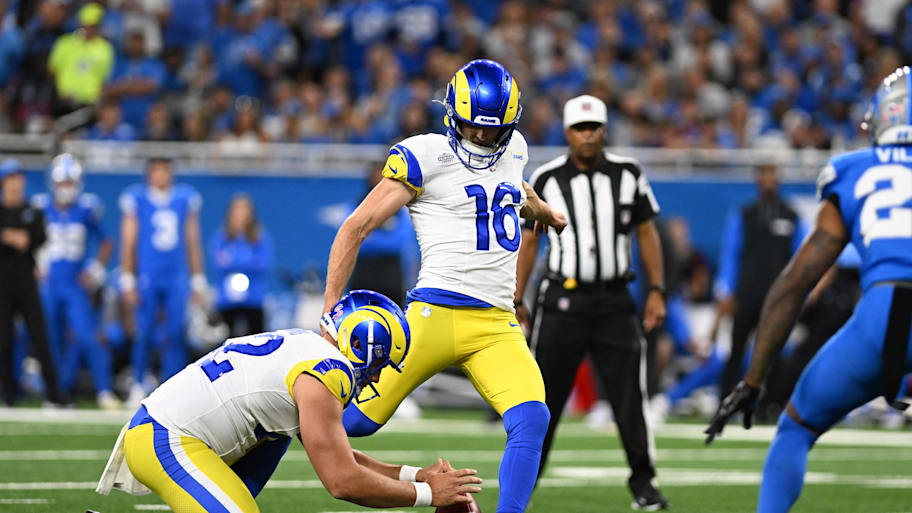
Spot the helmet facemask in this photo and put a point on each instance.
(481, 94)
(371, 332)
(65, 179)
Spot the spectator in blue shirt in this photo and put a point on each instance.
(190, 21)
(12, 48)
(243, 66)
(242, 255)
(110, 125)
(136, 80)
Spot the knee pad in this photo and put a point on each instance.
(527, 423)
(357, 424)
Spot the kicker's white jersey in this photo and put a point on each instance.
(467, 221)
(242, 390)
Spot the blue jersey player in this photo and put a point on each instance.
(160, 240)
(866, 198)
(73, 224)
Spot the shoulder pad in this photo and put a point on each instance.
(336, 374)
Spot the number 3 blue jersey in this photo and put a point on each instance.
(162, 219)
(69, 230)
(873, 190)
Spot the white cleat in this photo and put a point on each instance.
(408, 410)
(137, 394)
(659, 408)
(600, 415)
(108, 401)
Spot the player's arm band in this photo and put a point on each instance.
(408, 473)
(423, 495)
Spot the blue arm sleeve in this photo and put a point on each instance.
(730, 257)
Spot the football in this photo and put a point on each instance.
(462, 507)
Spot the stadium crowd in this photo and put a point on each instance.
(675, 73)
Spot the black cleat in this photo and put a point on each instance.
(649, 499)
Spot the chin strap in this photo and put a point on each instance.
(329, 326)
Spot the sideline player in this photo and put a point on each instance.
(73, 220)
(866, 199)
(465, 193)
(160, 238)
(209, 438)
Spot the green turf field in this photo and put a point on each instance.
(52, 466)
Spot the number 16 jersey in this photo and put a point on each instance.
(242, 390)
(873, 190)
(467, 221)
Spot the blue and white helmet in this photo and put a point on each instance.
(371, 331)
(481, 93)
(889, 117)
(65, 178)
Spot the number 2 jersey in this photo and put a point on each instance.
(467, 221)
(162, 217)
(242, 390)
(873, 190)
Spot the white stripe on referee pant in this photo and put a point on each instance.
(539, 300)
(650, 440)
(198, 474)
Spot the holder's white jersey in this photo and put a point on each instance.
(242, 390)
(467, 221)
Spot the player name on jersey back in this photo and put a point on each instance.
(894, 154)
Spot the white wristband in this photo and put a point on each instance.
(127, 282)
(96, 272)
(408, 473)
(198, 283)
(423, 495)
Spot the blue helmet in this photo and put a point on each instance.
(371, 331)
(481, 93)
(65, 178)
(889, 117)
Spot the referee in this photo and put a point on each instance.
(583, 305)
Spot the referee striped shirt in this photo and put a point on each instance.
(603, 207)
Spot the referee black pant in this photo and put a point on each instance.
(19, 294)
(601, 322)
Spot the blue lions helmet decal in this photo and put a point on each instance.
(481, 93)
(889, 118)
(371, 332)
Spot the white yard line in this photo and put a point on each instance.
(26, 501)
(42, 422)
(152, 507)
(576, 477)
(556, 456)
